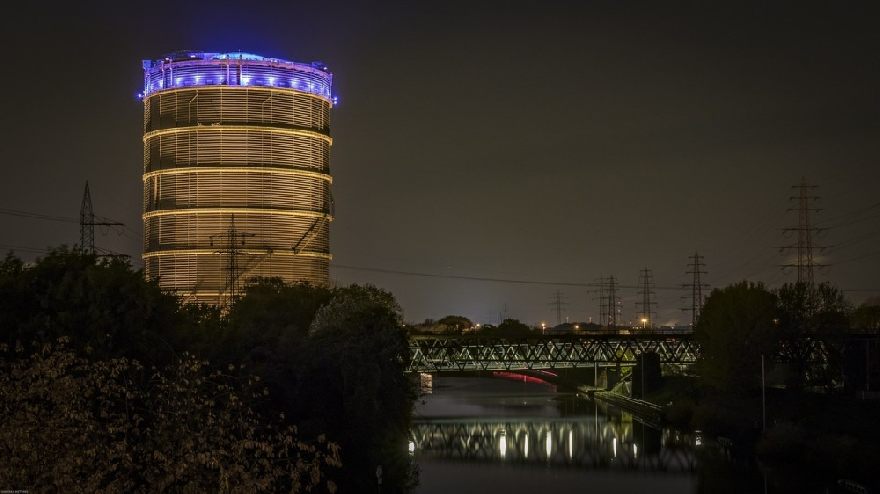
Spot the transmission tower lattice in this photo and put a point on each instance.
(609, 303)
(232, 242)
(613, 303)
(87, 223)
(603, 300)
(646, 291)
(558, 303)
(806, 264)
(696, 286)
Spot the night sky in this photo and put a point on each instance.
(542, 141)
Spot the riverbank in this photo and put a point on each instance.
(649, 413)
(824, 437)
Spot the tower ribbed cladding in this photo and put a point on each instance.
(236, 172)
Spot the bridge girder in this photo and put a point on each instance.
(487, 354)
(467, 353)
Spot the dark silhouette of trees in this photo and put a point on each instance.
(867, 315)
(329, 362)
(105, 307)
(509, 328)
(735, 328)
(803, 316)
(456, 324)
(73, 424)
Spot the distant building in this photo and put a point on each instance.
(236, 172)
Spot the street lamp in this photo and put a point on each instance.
(644, 322)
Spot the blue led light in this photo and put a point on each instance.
(245, 69)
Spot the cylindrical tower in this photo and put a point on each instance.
(236, 172)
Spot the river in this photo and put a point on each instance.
(474, 434)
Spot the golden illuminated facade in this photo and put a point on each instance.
(236, 172)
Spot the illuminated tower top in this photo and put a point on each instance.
(196, 68)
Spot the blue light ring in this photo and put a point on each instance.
(160, 76)
(223, 63)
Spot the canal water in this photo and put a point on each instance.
(478, 435)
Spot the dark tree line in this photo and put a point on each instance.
(321, 364)
(813, 415)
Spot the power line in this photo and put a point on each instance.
(487, 279)
(37, 216)
(24, 248)
(852, 217)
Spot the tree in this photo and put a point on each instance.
(456, 324)
(509, 329)
(867, 315)
(802, 310)
(78, 425)
(735, 328)
(805, 316)
(106, 308)
(355, 359)
(334, 361)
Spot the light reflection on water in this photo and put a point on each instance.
(481, 434)
(577, 441)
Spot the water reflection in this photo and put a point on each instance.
(479, 435)
(596, 443)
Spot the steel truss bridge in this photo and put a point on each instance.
(438, 354)
(468, 353)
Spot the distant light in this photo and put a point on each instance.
(549, 444)
(635, 450)
(412, 448)
(527, 445)
(614, 446)
(502, 446)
